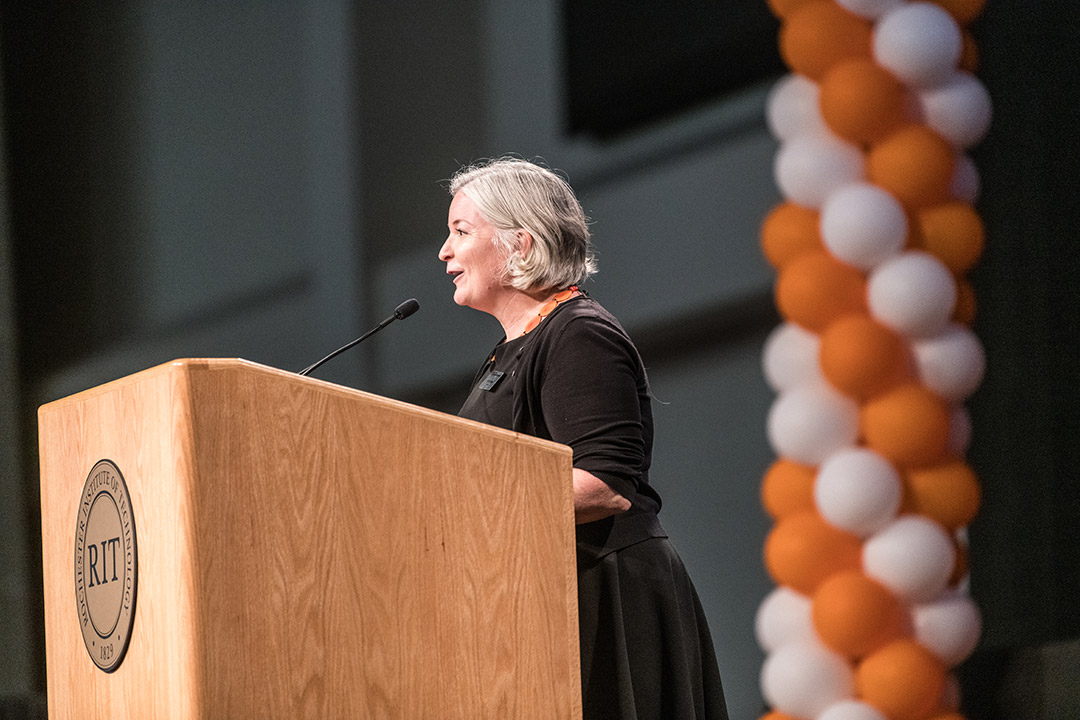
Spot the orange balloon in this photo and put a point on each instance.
(860, 357)
(788, 231)
(953, 233)
(964, 312)
(855, 615)
(948, 493)
(963, 11)
(788, 487)
(947, 716)
(777, 715)
(802, 550)
(914, 234)
(969, 53)
(903, 679)
(783, 8)
(915, 164)
(908, 425)
(814, 289)
(816, 35)
(862, 101)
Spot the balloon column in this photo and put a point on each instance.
(870, 492)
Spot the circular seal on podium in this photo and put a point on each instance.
(106, 565)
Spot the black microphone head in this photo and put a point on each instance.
(406, 309)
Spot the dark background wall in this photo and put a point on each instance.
(263, 180)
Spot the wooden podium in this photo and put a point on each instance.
(301, 550)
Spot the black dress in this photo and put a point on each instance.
(577, 379)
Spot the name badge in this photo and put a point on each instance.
(492, 380)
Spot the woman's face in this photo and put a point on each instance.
(471, 258)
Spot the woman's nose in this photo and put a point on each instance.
(445, 252)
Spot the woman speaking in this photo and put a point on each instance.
(565, 370)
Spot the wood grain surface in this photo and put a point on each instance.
(307, 550)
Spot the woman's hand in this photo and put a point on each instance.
(594, 499)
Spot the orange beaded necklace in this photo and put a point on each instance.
(549, 306)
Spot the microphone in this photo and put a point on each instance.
(401, 312)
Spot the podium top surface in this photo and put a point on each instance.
(242, 366)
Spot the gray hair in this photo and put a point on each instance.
(514, 194)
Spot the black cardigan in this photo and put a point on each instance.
(577, 379)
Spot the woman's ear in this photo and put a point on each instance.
(524, 242)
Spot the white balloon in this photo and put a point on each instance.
(863, 224)
(782, 618)
(857, 490)
(809, 422)
(959, 109)
(913, 556)
(792, 108)
(965, 183)
(809, 167)
(951, 363)
(851, 710)
(948, 626)
(870, 9)
(919, 42)
(913, 293)
(960, 431)
(790, 357)
(803, 679)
